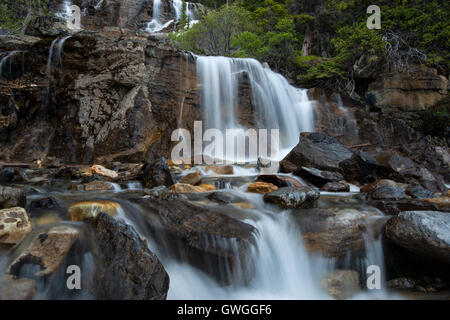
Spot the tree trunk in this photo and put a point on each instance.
(307, 42)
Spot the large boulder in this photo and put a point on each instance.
(14, 225)
(318, 177)
(47, 250)
(402, 169)
(293, 197)
(360, 167)
(316, 150)
(12, 197)
(157, 173)
(212, 241)
(425, 234)
(125, 268)
(336, 232)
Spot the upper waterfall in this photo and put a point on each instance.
(277, 104)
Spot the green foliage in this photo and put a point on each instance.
(15, 14)
(273, 32)
(214, 33)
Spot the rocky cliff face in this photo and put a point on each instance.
(114, 94)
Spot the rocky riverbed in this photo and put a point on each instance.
(86, 180)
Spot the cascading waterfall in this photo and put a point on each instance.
(7, 62)
(54, 63)
(278, 105)
(156, 25)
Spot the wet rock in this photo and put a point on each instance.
(442, 202)
(125, 268)
(212, 241)
(318, 177)
(221, 169)
(14, 225)
(388, 192)
(261, 187)
(157, 191)
(192, 178)
(335, 232)
(12, 197)
(336, 187)
(102, 171)
(90, 209)
(157, 173)
(405, 170)
(45, 203)
(425, 234)
(17, 289)
(360, 167)
(278, 180)
(47, 250)
(93, 186)
(417, 192)
(342, 284)
(185, 188)
(291, 197)
(394, 207)
(316, 150)
(207, 187)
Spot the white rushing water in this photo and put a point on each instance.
(6, 63)
(156, 24)
(278, 105)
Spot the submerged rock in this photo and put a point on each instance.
(12, 197)
(212, 241)
(90, 209)
(45, 203)
(14, 225)
(17, 289)
(291, 197)
(342, 284)
(425, 234)
(261, 187)
(125, 268)
(47, 250)
(318, 177)
(157, 173)
(316, 150)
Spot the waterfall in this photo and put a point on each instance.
(156, 25)
(4, 62)
(277, 104)
(65, 10)
(54, 60)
